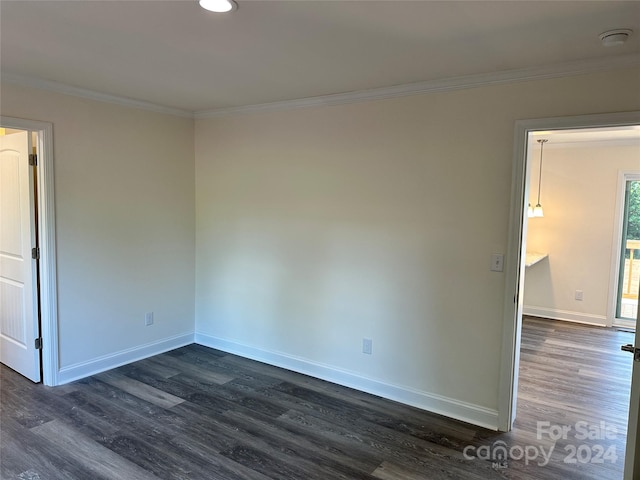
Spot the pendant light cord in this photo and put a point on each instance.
(541, 142)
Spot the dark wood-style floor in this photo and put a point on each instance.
(197, 413)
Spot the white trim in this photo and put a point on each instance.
(602, 143)
(623, 177)
(463, 411)
(47, 230)
(65, 89)
(514, 282)
(566, 69)
(625, 324)
(566, 315)
(123, 357)
(578, 67)
(514, 261)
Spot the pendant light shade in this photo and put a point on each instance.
(537, 211)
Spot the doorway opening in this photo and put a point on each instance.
(627, 279)
(577, 266)
(19, 306)
(515, 273)
(41, 341)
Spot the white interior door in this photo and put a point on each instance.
(632, 457)
(18, 297)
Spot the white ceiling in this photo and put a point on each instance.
(174, 54)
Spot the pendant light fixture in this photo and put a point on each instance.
(537, 210)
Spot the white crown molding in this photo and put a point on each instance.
(595, 143)
(65, 89)
(579, 67)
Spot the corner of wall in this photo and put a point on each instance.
(448, 407)
(107, 362)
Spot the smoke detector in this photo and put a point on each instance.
(612, 38)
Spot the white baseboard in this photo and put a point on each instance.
(566, 315)
(449, 407)
(107, 362)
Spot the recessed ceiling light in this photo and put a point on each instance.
(219, 6)
(612, 38)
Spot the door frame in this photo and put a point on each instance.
(614, 287)
(632, 458)
(514, 278)
(47, 243)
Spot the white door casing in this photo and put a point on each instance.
(47, 241)
(18, 283)
(632, 459)
(514, 278)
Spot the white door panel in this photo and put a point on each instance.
(18, 300)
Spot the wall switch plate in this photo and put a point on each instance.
(148, 318)
(579, 295)
(497, 262)
(367, 345)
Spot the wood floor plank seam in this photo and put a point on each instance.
(197, 413)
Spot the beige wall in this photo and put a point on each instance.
(124, 192)
(314, 228)
(579, 190)
(318, 227)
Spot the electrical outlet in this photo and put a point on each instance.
(367, 345)
(148, 318)
(579, 295)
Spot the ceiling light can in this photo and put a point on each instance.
(219, 6)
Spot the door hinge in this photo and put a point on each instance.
(35, 253)
(33, 159)
(630, 348)
(38, 343)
